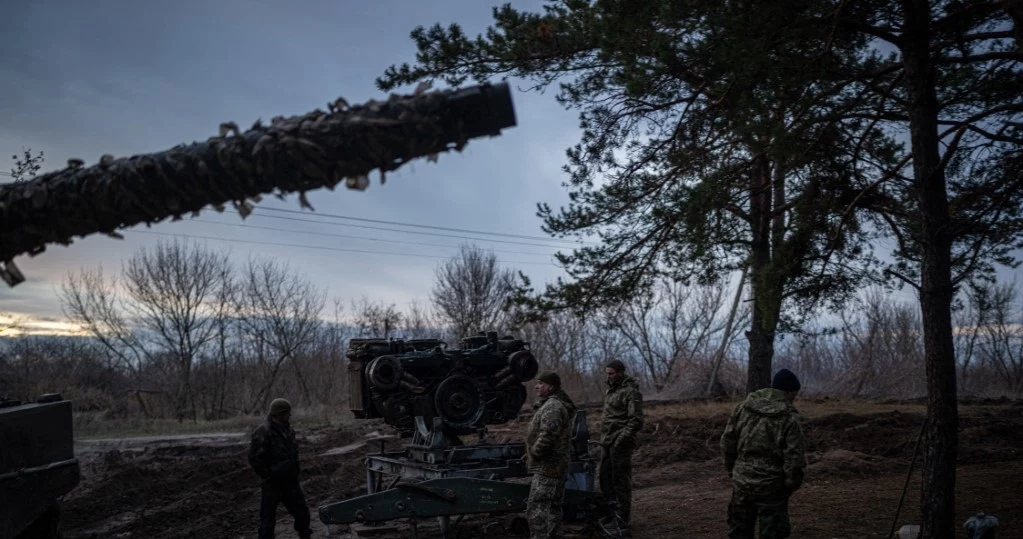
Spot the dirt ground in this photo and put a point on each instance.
(200, 486)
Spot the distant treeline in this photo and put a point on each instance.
(184, 334)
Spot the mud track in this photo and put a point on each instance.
(201, 487)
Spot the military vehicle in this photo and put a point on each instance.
(436, 396)
(296, 154)
(477, 385)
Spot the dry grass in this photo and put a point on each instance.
(807, 407)
(688, 410)
(92, 425)
(819, 407)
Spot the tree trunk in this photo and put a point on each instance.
(263, 396)
(301, 382)
(185, 404)
(763, 285)
(761, 355)
(719, 356)
(938, 497)
(222, 381)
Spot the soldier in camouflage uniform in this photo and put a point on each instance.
(273, 455)
(548, 450)
(763, 450)
(619, 426)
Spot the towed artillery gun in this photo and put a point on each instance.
(296, 154)
(435, 396)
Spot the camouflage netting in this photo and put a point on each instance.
(296, 154)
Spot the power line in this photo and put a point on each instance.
(398, 230)
(417, 225)
(243, 225)
(413, 225)
(340, 249)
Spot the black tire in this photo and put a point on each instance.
(460, 403)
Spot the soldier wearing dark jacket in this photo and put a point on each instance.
(619, 426)
(763, 450)
(548, 450)
(273, 455)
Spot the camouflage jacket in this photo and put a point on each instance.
(623, 413)
(273, 453)
(763, 444)
(548, 439)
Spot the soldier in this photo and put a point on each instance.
(274, 456)
(763, 450)
(548, 448)
(619, 427)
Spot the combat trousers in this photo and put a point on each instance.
(544, 507)
(616, 477)
(771, 512)
(291, 496)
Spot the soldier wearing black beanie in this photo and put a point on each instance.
(785, 381)
(763, 450)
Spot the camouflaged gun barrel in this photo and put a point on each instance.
(296, 154)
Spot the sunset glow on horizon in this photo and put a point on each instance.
(17, 324)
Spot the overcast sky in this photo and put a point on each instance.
(82, 79)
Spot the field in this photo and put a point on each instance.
(198, 486)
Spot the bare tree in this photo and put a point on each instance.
(31, 365)
(968, 320)
(174, 298)
(220, 365)
(878, 349)
(1001, 344)
(816, 354)
(281, 311)
(605, 345)
(714, 386)
(671, 326)
(375, 319)
(327, 355)
(26, 166)
(90, 300)
(470, 292)
(420, 323)
(561, 342)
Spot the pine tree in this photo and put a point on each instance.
(714, 136)
(719, 134)
(952, 84)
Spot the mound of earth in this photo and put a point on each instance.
(201, 487)
(844, 463)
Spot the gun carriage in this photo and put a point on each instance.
(435, 396)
